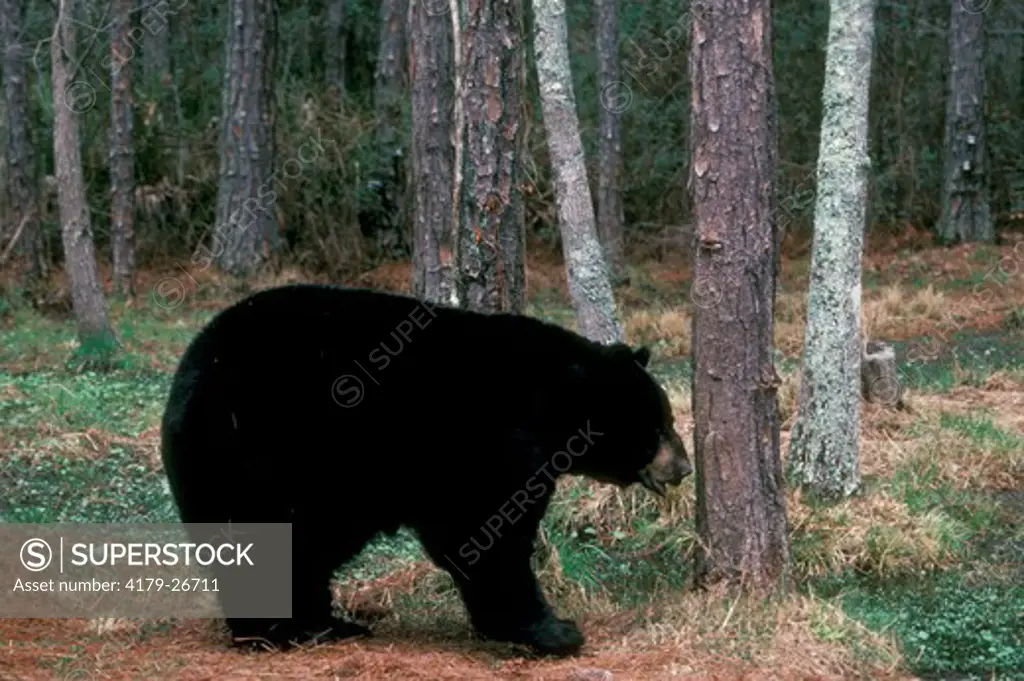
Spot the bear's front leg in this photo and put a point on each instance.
(503, 598)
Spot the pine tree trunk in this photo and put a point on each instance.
(246, 227)
(88, 303)
(609, 190)
(430, 69)
(825, 447)
(23, 190)
(388, 90)
(741, 503)
(334, 48)
(966, 214)
(589, 286)
(489, 272)
(122, 152)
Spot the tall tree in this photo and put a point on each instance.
(122, 150)
(966, 214)
(88, 303)
(589, 286)
(609, 190)
(334, 48)
(489, 270)
(246, 229)
(389, 86)
(825, 447)
(741, 503)
(433, 95)
(156, 42)
(24, 236)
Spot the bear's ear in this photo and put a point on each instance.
(619, 351)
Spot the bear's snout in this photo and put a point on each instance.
(669, 466)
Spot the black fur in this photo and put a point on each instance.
(462, 424)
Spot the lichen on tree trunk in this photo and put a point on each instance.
(741, 503)
(587, 272)
(489, 271)
(966, 214)
(825, 445)
(90, 307)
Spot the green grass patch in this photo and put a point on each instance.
(962, 358)
(983, 432)
(946, 624)
(117, 487)
(120, 403)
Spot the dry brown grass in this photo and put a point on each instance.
(795, 637)
(713, 635)
(669, 328)
(790, 322)
(896, 311)
(874, 534)
(957, 459)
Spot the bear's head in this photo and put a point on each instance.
(633, 438)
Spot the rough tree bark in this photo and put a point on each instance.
(610, 216)
(88, 303)
(589, 285)
(966, 214)
(23, 192)
(433, 94)
(489, 271)
(741, 503)
(334, 48)
(122, 151)
(824, 453)
(246, 229)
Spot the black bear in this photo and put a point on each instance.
(350, 412)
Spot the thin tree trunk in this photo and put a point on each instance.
(155, 19)
(23, 191)
(610, 216)
(741, 503)
(388, 89)
(334, 48)
(589, 286)
(433, 94)
(825, 447)
(490, 250)
(88, 303)
(966, 214)
(246, 230)
(122, 152)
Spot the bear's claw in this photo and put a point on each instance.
(549, 636)
(286, 635)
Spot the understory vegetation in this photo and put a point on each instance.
(922, 572)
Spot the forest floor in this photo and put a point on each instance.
(921, 575)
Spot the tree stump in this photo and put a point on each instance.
(879, 375)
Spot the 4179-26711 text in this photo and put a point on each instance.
(137, 584)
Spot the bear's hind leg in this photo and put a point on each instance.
(314, 561)
(502, 596)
